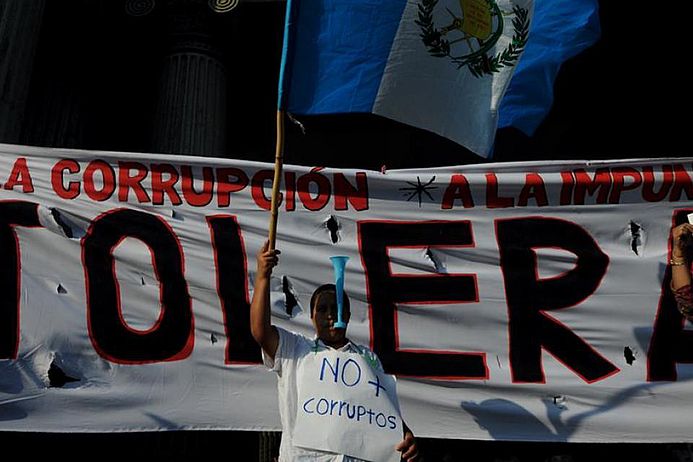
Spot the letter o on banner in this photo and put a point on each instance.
(172, 338)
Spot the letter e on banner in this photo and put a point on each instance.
(386, 290)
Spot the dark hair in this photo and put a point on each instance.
(328, 288)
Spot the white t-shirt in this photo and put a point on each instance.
(291, 350)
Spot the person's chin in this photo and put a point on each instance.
(334, 334)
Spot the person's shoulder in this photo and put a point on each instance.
(295, 340)
(359, 346)
(290, 333)
(369, 355)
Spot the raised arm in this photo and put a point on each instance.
(680, 272)
(261, 326)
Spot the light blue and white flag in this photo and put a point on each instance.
(441, 65)
(560, 30)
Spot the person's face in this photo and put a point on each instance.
(324, 317)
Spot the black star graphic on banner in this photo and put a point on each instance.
(418, 189)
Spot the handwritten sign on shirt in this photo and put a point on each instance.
(347, 405)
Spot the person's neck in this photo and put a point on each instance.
(337, 344)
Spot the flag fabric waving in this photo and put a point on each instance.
(560, 29)
(440, 65)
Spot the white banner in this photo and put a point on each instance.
(523, 301)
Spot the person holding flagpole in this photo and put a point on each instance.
(283, 351)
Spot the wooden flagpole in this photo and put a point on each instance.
(278, 164)
(281, 104)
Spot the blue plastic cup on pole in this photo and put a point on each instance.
(338, 263)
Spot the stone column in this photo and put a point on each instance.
(20, 24)
(191, 111)
(269, 446)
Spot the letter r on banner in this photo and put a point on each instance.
(529, 297)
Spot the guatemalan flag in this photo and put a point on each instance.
(560, 30)
(440, 65)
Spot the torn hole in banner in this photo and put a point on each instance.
(333, 227)
(634, 237)
(59, 367)
(558, 401)
(284, 300)
(44, 369)
(436, 260)
(630, 355)
(64, 223)
(171, 213)
(290, 297)
(57, 377)
(417, 260)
